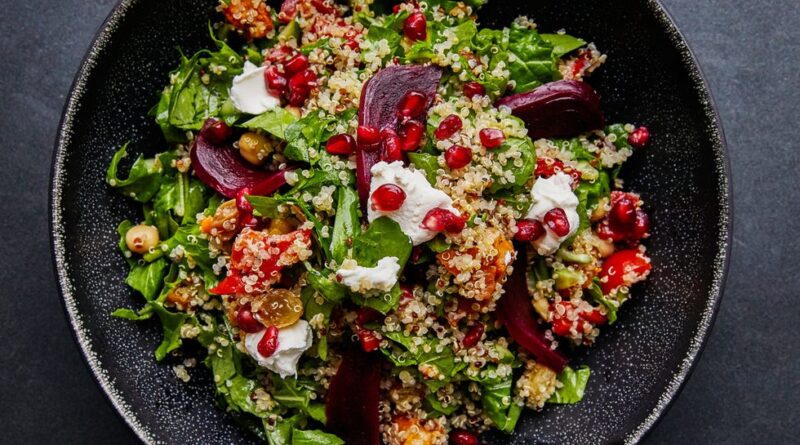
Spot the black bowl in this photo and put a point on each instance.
(638, 365)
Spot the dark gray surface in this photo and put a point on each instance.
(746, 386)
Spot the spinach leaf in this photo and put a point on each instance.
(496, 398)
(314, 437)
(275, 122)
(313, 308)
(144, 178)
(383, 238)
(147, 278)
(306, 135)
(291, 393)
(346, 226)
(522, 167)
(171, 323)
(530, 59)
(428, 163)
(281, 433)
(573, 385)
(492, 45)
(331, 290)
(423, 354)
(563, 43)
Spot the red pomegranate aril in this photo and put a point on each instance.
(323, 7)
(269, 342)
(448, 127)
(390, 143)
(341, 144)
(410, 133)
(472, 89)
(242, 203)
(369, 342)
(387, 198)
(276, 81)
(247, 322)
(556, 220)
(296, 65)
(623, 212)
(639, 137)
(438, 220)
(641, 225)
(473, 335)
(491, 137)
(463, 437)
(415, 26)
(529, 230)
(368, 135)
(457, 156)
(218, 132)
(412, 104)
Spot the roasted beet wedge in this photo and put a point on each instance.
(380, 99)
(514, 311)
(222, 168)
(564, 108)
(351, 404)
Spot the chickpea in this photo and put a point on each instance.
(254, 147)
(141, 238)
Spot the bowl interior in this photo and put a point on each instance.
(637, 365)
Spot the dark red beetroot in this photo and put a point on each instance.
(380, 100)
(563, 108)
(351, 403)
(222, 168)
(514, 311)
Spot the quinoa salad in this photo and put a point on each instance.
(382, 222)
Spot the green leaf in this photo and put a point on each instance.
(281, 433)
(130, 314)
(144, 178)
(331, 290)
(438, 244)
(297, 393)
(573, 385)
(496, 399)
(522, 173)
(563, 43)
(147, 278)
(171, 323)
(444, 361)
(305, 136)
(346, 226)
(597, 295)
(383, 238)
(240, 389)
(530, 59)
(323, 43)
(428, 163)
(275, 122)
(314, 437)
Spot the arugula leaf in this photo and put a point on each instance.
(314, 437)
(291, 393)
(428, 163)
(444, 361)
(346, 226)
(383, 238)
(122, 230)
(281, 433)
(521, 173)
(148, 278)
(306, 135)
(563, 43)
(573, 385)
(597, 295)
(171, 322)
(144, 178)
(275, 122)
(530, 59)
(331, 290)
(496, 398)
(130, 314)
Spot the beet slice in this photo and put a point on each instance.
(380, 98)
(222, 168)
(514, 311)
(351, 404)
(564, 108)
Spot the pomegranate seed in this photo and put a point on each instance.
(269, 342)
(295, 65)
(641, 226)
(472, 89)
(448, 127)
(276, 82)
(341, 144)
(491, 137)
(556, 220)
(218, 132)
(387, 198)
(415, 26)
(529, 230)
(300, 86)
(368, 135)
(323, 6)
(438, 220)
(457, 156)
(412, 104)
(391, 145)
(462, 437)
(623, 212)
(364, 315)
(280, 53)
(639, 137)
(473, 335)
(247, 322)
(410, 133)
(241, 201)
(369, 342)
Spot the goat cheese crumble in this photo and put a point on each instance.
(547, 194)
(421, 198)
(249, 91)
(292, 343)
(382, 277)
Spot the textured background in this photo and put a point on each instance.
(746, 387)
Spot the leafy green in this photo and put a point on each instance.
(314, 437)
(346, 226)
(306, 135)
(493, 45)
(323, 43)
(589, 195)
(171, 323)
(597, 295)
(331, 290)
(147, 278)
(298, 394)
(444, 361)
(428, 163)
(530, 59)
(563, 43)
(130, 314)
(281, 433)
(275, 122)
(383, 238)
(144, 178)
(496, 398)
(522, 173)
(573, 385)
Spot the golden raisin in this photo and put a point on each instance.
(277, 307)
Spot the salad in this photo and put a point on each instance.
(382, 223)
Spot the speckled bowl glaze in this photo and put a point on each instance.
(638, 365)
